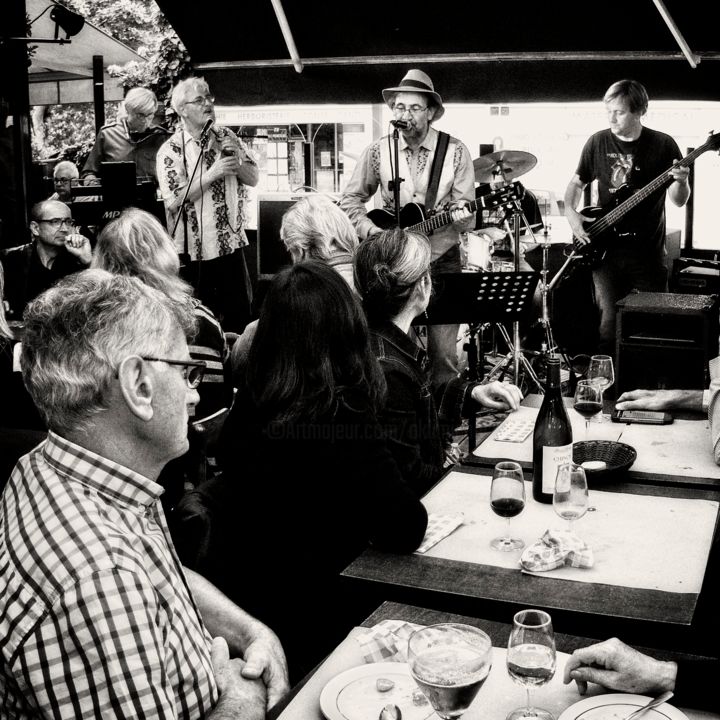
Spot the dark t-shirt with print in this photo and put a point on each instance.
(614, 163)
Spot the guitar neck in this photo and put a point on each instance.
(614, 216)
(441, 219)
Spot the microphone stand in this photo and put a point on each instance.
(203, 143)
(395, 182)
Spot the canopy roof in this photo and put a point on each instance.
(474, 51)
(63, 73)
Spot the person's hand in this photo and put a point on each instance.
(494, 233)
(460, 211)
(79, 246)
(264, 657)
(498, 395)
(238, 693)
(617, 666)
(576, 220)
(679, 173)
(225, 165)
(645, 400)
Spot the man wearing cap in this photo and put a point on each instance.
(132, 137)
(415, 106)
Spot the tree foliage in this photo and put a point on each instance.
(68, 131)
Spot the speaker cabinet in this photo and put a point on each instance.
(271, 253)
(665, 340)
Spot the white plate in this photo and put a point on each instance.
(353, 694)
(617, 706)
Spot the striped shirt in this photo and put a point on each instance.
(96, 617)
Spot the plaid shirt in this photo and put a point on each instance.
(96, 618)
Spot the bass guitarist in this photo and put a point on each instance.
(625, 158)
(415, 106)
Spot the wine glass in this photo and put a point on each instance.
(601, 370)
(450, 662)
(570, 498)
(531, 657)
(588, 401)
(507, 499)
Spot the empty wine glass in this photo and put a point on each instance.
(570, 498)
(531, 658)
(507, 499)
(588, 401)
(450, 662)
(601, 370)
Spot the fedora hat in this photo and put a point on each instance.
(418, 82)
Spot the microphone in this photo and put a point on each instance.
(400, 124)
(206, 129)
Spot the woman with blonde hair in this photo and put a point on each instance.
(314, 228)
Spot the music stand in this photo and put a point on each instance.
(477, 298)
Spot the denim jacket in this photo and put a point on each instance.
(417, 422)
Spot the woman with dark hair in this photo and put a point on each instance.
(392, 274)
(308, 480)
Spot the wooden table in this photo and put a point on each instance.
(646, 617)
(678, 454)
(303, 702)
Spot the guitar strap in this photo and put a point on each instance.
(435, 171)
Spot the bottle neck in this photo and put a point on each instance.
(553, 378)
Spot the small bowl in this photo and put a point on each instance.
(617, 457)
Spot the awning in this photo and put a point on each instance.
(62, 74)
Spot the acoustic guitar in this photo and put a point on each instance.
(414, 218)
(602, 229)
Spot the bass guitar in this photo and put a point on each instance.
(602, 228)
(414, 218)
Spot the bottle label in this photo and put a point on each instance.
(552, 458)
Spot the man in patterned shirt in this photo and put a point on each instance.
(97, 617)
(415, 106)
(210, 235)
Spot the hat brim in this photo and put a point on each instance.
(388, 94)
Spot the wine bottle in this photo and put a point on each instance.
(552, 437)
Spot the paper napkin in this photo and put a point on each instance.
(387, 641)
(555, 549)
(439, 527)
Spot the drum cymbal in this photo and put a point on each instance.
(503, 165)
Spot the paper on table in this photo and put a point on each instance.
(439, 527)
(670, 538)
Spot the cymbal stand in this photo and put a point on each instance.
(515, 354)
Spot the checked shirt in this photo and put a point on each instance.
(96, 618)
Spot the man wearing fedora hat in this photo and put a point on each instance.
(415, 106)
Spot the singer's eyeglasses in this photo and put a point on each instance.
(201, 100)
(55, 223)
(413, 109)
(193, 370)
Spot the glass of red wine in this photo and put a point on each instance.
(531, 658)
(507, 499)
(588, 401)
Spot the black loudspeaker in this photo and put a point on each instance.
(665, 340)
(271, 253)
(696, 276)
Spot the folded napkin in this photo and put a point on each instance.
(439, 527)
(555, 549)
(387, 641)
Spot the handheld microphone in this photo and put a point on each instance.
(400, 124)
(206, 129)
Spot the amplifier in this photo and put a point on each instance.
(695, 276)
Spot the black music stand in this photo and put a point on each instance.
(477, 298)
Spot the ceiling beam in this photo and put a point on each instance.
(455, 58)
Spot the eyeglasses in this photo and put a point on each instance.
(413, 109)
(55, 223)
(62, 180)
(210, 99)
(193, 369)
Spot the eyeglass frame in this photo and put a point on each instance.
(57, 223)
(201, 100)
(199, 365)
(413, 109)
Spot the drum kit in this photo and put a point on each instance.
(498, 169)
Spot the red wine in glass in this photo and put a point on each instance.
(507, 499)
(507, 507)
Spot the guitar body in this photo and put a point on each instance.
(411, 214)
(601, 236)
